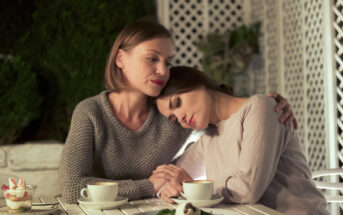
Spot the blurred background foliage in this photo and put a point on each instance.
(227, 56)
(53, 55)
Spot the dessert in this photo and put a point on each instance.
(183, 209)
(18, 196)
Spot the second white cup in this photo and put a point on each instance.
(198, 190)
(100, 191)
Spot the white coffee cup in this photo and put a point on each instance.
(198, 190)
(100, 191)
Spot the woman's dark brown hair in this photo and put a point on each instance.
(184, 79)
(132, 35)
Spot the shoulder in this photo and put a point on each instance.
(260, 102)
(261, 105)
(89, 105)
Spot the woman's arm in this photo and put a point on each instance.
(192, 160)
(76, 169)
(263, 141)
(189, 165)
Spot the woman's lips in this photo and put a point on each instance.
(158, 82)
(191, 122)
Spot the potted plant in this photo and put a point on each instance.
(226, 56)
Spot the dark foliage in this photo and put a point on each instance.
(67, 43)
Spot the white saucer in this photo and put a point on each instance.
(102, 205)
(220, 211)
(200, 203)
(36, 210)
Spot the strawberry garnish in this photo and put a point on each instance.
(12, 183)
(21, 183)
(8, 196)
(5, 187)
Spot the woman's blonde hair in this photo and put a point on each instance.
(133, 34)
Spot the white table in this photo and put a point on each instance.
(145, 205)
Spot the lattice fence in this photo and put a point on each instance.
(190, 23)
(313, 31)
(259, 75)
(291, 60)
(338, 26)
(187, 22)
(338, 43)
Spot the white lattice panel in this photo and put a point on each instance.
(293, 61)
(224, 15)
(271, 44)
(259, 73)
(191, 20)
(314, 76)
(187, 23)
(338, 33)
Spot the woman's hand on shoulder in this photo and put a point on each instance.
(287, 116)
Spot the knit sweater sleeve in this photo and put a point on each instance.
(76, 169)
(264, 138)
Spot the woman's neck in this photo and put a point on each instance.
(224, 106)
(131, 108)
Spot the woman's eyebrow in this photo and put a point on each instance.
(170, 57)
(159, 53)
(153, 50)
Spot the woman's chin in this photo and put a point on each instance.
(153, 93)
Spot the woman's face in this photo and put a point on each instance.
(191, 109)
(146, 66)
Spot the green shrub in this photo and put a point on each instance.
(19, 98)
(67, 43)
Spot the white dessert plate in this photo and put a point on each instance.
(36, 210)
(102, 205)
(213, 211)
(200, 203)
(221, 211)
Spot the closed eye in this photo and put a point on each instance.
(178, 102)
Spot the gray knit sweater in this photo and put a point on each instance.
(100, 148)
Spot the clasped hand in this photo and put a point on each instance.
(170, 177)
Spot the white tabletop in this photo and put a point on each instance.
(144, 205)
(153, 204)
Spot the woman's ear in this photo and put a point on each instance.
(120, 59)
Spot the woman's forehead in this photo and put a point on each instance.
(162, 45)
(163, 103)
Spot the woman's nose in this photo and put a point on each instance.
(181, 117)
(162, 69)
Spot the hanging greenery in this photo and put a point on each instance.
(228, 55)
